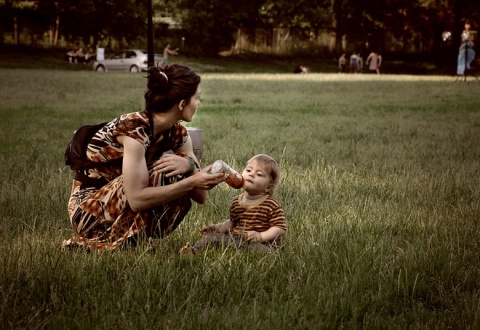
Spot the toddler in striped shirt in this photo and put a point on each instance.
(257, 220)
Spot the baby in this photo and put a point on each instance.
(257, 220)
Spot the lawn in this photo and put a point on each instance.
(380, 184)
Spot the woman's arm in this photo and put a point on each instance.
(198, 195)
(135, 176)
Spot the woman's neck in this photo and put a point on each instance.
(163, 121)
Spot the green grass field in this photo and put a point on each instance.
(380, 184)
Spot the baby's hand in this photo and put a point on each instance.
(209, 229)
(253, 236)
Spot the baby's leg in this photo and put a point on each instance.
(259, 247)
(208, 240)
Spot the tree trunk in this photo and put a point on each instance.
(57, 25)
(337, 25)
(15, 30)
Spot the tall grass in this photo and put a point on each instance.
(380, 184)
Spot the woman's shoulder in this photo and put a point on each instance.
(180, 127)
(134, 116)
(179, 131)
(132, 120)
(134, 124)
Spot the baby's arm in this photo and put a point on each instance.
(265, 236)
(223, 227)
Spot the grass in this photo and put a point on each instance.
(380, 184)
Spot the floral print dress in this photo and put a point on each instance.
(98, 208)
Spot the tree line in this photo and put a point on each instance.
(209, 26)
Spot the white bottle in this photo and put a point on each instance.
(234, 179)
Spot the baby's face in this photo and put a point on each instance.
(257, 180)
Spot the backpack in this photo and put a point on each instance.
(76, 151)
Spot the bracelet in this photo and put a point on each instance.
(192, 165)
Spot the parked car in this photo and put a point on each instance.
(132, 60)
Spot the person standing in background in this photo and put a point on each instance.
(374, 61)
(167, 52)
(466, 53)
(354, 59)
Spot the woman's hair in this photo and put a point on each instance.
(271, 167)
(169, 84)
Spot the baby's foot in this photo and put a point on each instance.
(186, 251)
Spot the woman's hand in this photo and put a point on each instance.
(206, 180)
(172, 165)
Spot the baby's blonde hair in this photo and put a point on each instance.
(271, 167)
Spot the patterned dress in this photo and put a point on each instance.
(98, 208)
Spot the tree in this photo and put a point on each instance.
(210, 25)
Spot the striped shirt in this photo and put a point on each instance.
(259, 217)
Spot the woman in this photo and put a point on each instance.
(149, 189)
(466, 53)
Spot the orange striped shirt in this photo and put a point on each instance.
(259, 217)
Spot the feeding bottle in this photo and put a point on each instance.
(234, 179)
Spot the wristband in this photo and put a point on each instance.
(192, 165)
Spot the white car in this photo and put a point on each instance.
(131, 60)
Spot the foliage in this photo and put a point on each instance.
(211, 25)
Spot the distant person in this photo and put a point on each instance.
(257, 220)
(342, 63)
(71, 56)
(354, 60)
(360, 62)
(100, 53)
(466, 53)
(90, 56)
(301, 68)
(465, 36)
(167, 52)
(80, 56)
(374, 61)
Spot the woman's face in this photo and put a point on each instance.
(191, 107)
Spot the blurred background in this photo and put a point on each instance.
(315, 28)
